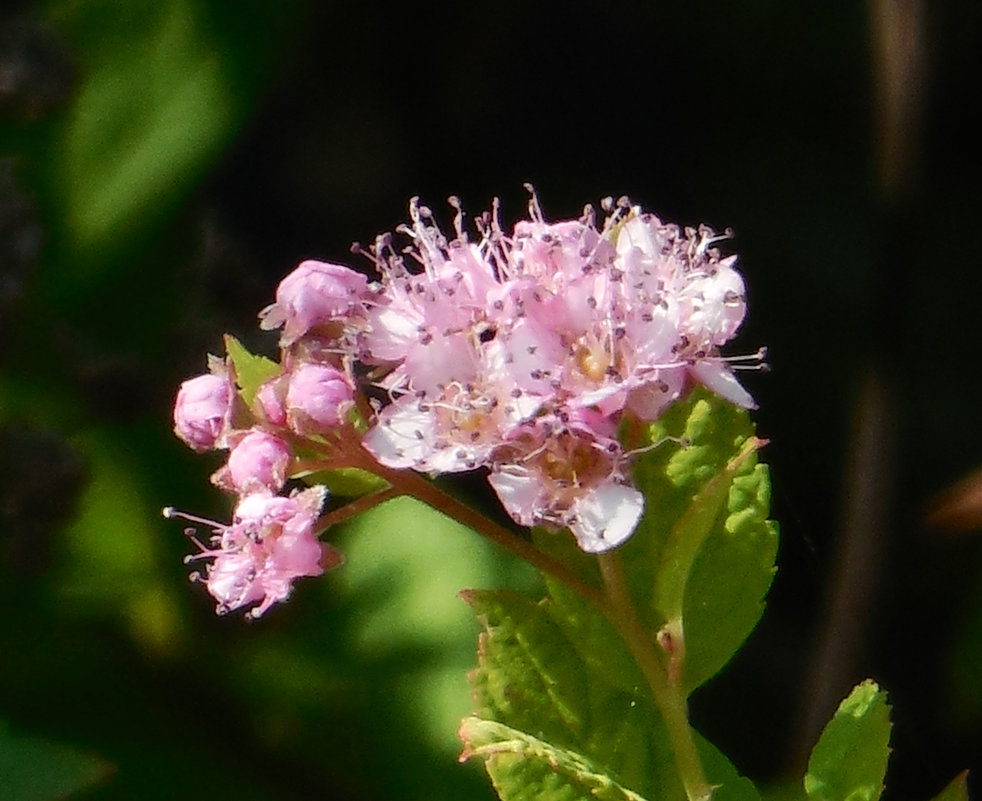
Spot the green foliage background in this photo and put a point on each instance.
(164, 164)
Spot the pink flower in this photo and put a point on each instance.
(683, 302)
(271, 543)
(314, 295)
(258, 461)
(461, 406)
(568, 476)
(522, 353)
(203, 410)
(318, 398)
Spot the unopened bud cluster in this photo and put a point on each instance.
(273, 539)
(516, 353)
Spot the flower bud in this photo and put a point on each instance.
(269, 401)
(318, 398)
(202, 411)
(259, 460)
(315, 293)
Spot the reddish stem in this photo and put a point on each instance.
(347, 451)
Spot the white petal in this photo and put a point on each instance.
(393, 329)
(518, 492)
(402, 437)
(649, 400)
(606, 517)
(717, 376)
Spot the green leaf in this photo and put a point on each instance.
(730, 577)
(533, 683)
(850, 760)
(573, 715)
(407, 615)
(33, 769)
(590, 635)
(687, 538)
(110, 559)
(552, 724)
(704, 542)
(251, 371)
(346, 482)
(522, 766)
(704, 537)
(155, 107)
(957, 790)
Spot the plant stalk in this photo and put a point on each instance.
(408, 482)
(665, 684)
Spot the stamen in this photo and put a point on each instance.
(535, 211)
(683, 442)
(171, 513)
(458, 220)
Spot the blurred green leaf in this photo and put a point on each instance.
(405, 565)
(153, 110)
(32, 769)
(111, 562)
(849, 761)
(162, 89)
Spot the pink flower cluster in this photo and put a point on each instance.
(272, 539)
(518, 353)
(521, 353)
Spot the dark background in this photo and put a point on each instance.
(163, 165)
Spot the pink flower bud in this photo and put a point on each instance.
(259, 460)
(269, 401)
(318, 398)
(315, 293)
(202, 411)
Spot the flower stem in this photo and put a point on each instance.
(666, 687)
(349, 453)
(356, 507)
(417, 486)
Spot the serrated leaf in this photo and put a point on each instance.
(593, 727)
(32, 769)
(849, 761)
(251, 371)
(730, 578)
(590, 634)
(525, 767)
(593, 638)
(957, 789)
(561, 728)
(686, 540)
(705, 532)
(524, 673)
